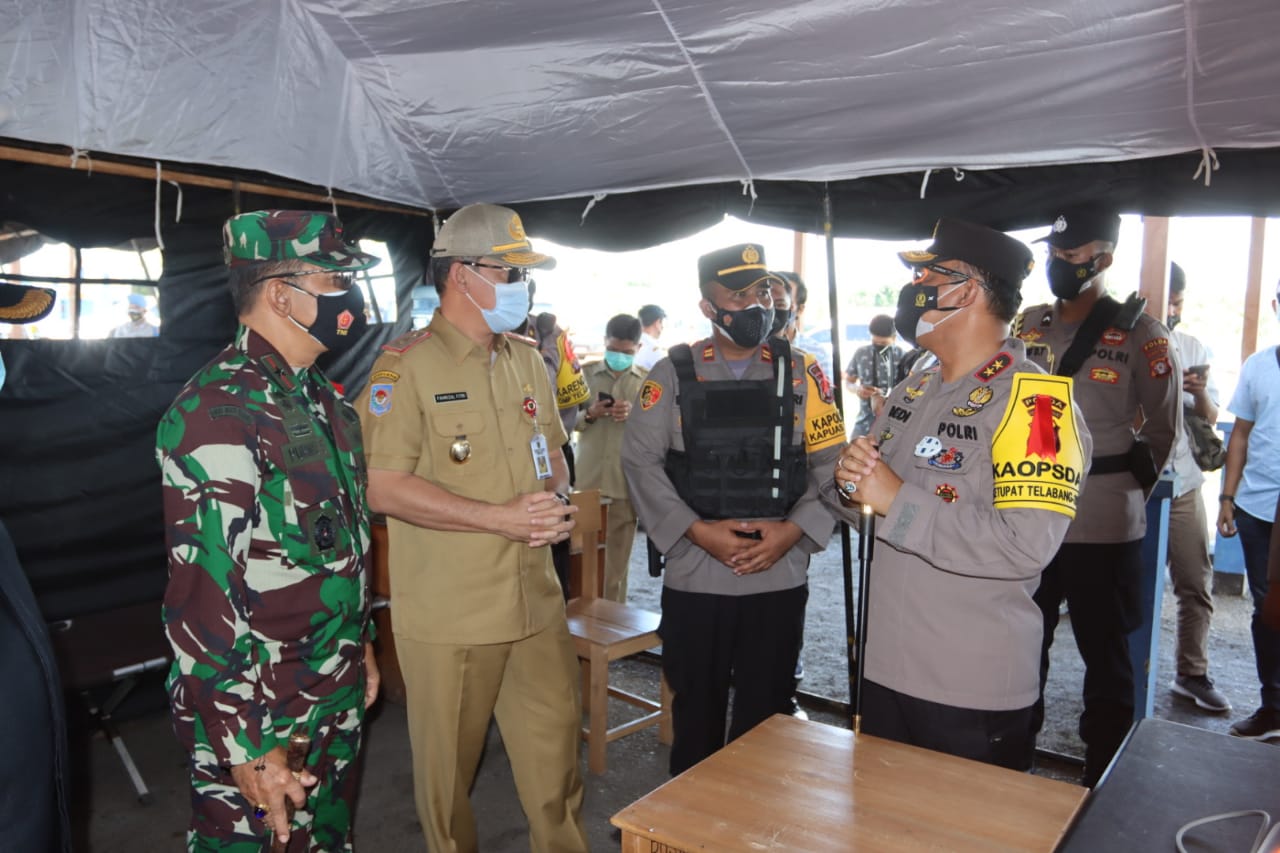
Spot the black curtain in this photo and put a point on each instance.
(81, 493)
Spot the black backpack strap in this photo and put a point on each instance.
(1100, 318)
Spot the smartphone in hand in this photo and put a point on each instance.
(1200, 370)
(606, 398)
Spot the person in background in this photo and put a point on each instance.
(268, 606)
(975, 469)
(1190, 569)
(1250, 492)
(34, 785)
(465, 460)
(873, 372)
(802, 336)
(614, 383)
(720, 457)
(784, 308)
(571, 391)
(652, 318)
(138, 326)
(1126, 374)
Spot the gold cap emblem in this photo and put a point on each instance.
(516, 228)
(750, 255)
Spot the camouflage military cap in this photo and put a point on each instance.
(488, 231)
(284, 235)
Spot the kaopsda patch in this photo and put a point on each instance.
(1036, 456)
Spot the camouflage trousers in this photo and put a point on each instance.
(222, 819)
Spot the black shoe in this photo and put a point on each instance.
(1264, 724)
(1200, 689)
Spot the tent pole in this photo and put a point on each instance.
(114, 167)
(846, 551)
(1253, 296)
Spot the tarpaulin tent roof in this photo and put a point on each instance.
(436, 104)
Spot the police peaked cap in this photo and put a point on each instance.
(985, 248)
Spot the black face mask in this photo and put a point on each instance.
(781, 319)
(1066, 279)
(339, 318)
(748, 327)
(1172, 320)
(913, 301)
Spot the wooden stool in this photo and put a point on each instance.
(605, 631)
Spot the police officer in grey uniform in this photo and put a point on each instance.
(1128, 371)
(975, 464)
(722, 456)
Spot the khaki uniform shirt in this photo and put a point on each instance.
(599, 455)
(1127, 370)
(431, 389)
(654, 428)
(958, 556)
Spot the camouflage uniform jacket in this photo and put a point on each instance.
(267, 607)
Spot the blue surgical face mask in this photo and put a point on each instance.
(510, 307)
(618, 361)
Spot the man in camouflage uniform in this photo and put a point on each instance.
(465, 459)
(267, 607)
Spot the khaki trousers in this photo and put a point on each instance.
(1192, 576)
(532, 687)
(619, 537)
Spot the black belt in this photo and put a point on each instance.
(1110, 464)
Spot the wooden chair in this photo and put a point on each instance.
(605, 631)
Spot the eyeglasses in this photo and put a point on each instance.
(919, 273)
(342, 280)
(514, 274)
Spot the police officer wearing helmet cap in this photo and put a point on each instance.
(464, 449)
(718, 456)
(974, 466)
(267, 607)
(1125, 372)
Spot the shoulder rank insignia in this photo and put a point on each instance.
(709, 353)
(407, 341)
(524, 339)
(994, 367)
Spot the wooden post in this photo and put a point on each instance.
(797, 254)
(1153, 278)
(1254, 298)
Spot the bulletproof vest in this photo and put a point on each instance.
(739, 460)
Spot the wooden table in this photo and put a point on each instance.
(792, 785)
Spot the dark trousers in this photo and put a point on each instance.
(1101, 585)
(1003, 738)
(1255, 540)
(712, 642)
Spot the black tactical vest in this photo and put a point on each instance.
(739, 460)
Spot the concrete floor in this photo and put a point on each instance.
(110, 820)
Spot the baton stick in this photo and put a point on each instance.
(866, 548)
(296, 759)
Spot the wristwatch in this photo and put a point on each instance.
(1227, 499)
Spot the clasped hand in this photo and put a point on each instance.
(875, 483)
(270, 785)
(539, 518)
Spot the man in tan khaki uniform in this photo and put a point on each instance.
(614, 384)
(464, 458)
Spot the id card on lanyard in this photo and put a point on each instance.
(537, 444)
